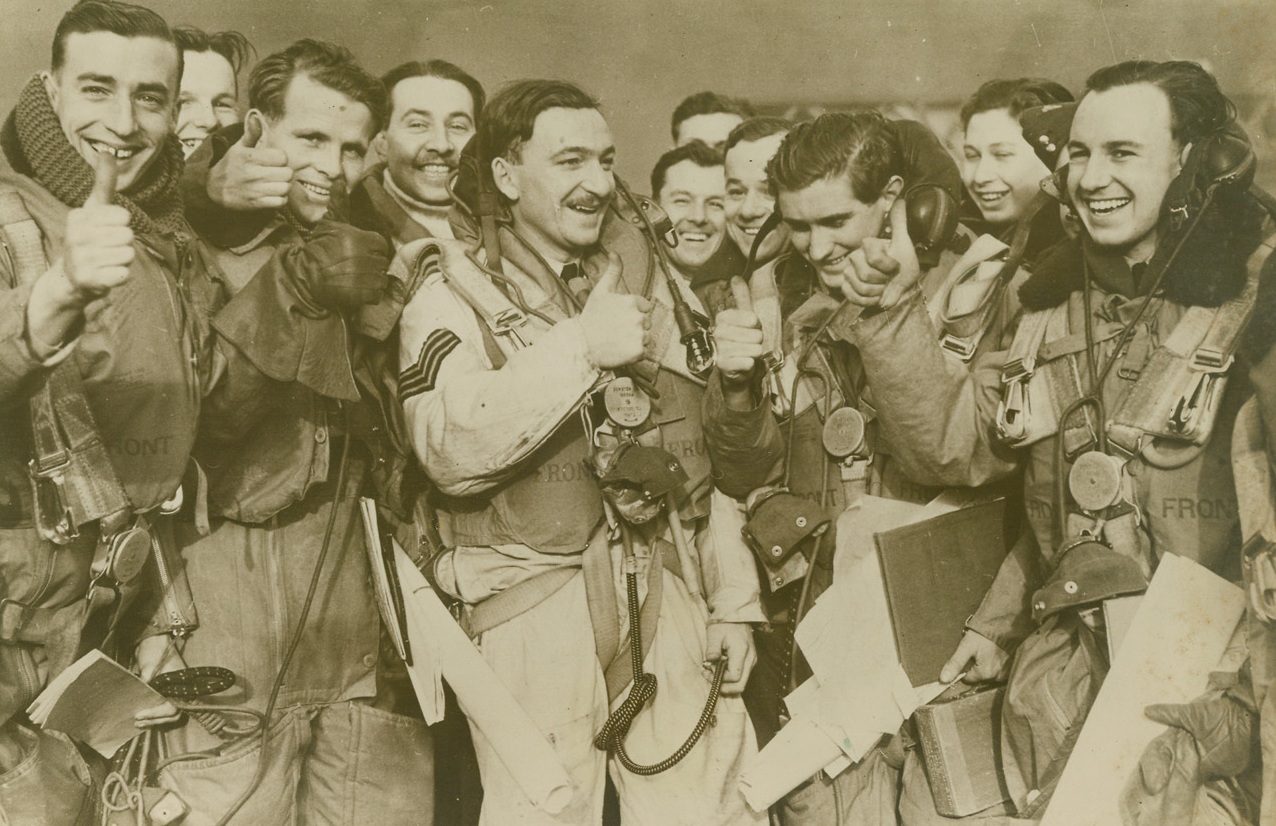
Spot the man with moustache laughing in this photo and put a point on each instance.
(525, 355)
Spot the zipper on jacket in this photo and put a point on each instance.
(177, 619)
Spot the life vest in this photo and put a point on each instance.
(1175, 398)
(135, 364)
(553, 503)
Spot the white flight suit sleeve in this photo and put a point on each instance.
(730, 577)
(470, 424)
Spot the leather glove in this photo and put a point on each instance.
(340, 268)
(1206, 740)
(1223, 731)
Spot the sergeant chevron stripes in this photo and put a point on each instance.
(420, 377)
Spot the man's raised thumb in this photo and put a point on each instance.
(740, 292)
(105, 175)
(610, 281)
(899, 219)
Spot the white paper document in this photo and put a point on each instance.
(1179, 633)
(860, 692)
(439, 646)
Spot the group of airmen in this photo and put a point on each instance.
(616, 433)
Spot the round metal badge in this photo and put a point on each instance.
(844, 432)
(1095, 480)
(627, 405)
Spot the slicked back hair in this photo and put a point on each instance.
(1014, 95)
(435, 68)
(1197, 105)
(124, 19)
(755, 129)
(510, 116)
(707, 103)
(862, 146)
(231, 45)
(697, 152)
(323, 62)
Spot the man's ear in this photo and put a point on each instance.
(378, 144)
(891, 191)
(256, 128)
(50, 87)
(506, 178)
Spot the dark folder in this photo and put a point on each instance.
(936, 574)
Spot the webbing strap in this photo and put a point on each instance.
(1076, 342)
(67, 447)
(1176, 395)
(982, 267)
(513, 601)
(1016, 411)
(34, 623)
(499, 315)
(600, 593)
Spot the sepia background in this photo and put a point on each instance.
(917, 57)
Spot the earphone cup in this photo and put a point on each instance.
(932, 221)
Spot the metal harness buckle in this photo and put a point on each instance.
(1014, 410)
(53, 518)
(962, 348)
(1196, 404)
(507, 322)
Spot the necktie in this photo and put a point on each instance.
(577, 283)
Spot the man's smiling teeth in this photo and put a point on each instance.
(1106, 206)
(693, 236)
(436, 168)
(322, 192)
(122, 154)
(991, 197)
(751, 231)
(583, 208)
(834, 263)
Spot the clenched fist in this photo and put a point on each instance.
(99, 241)
(616, 324)
(341, 267)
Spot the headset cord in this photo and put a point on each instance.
(295, 641)
(613, 733)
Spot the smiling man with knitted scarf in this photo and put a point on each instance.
(88, 181)
(119, 347)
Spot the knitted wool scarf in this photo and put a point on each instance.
(154, 201)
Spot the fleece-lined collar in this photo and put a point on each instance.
(1208, 270)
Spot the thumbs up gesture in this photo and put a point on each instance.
(738, 333)
(99, 242)
(616, 324)
(250, 177)
(884, 269)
